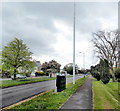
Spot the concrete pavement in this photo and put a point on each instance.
(82, 99)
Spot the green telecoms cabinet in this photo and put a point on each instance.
(61, 83)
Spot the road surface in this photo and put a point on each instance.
(3, 79)
(15, 94)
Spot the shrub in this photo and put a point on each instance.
(97, 76)
(111, 76)
(105, 78)
(104, 71)
(101, 71)
(5, 74)
(40, 73)
(117, 74)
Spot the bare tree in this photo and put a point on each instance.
(106, 47)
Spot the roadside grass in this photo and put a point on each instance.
(9, 83)
(105, 96)
(50, 100)
(69, 76)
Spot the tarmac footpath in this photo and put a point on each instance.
(81, 99)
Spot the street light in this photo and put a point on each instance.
(74, 45)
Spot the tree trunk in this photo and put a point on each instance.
(113, 76)
(15, 73)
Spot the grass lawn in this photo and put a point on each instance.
(8, 83)
(105, 96)
(51, 100)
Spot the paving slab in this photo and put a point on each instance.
(81, 99)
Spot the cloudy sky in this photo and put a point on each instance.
(47, 28)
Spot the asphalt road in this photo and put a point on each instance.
(2, 79)
(15, 94)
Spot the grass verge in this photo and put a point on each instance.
(105, 96)
(9, 83)
(50, 100)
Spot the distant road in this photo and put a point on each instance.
(15, 94)
(2, 79)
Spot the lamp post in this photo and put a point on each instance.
(74, 45)
(84, 60)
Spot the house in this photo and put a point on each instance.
(37, 66)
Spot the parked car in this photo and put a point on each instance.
(19, 76)
(32, 74)
(86, 74)
(68, 74)
(60, 74)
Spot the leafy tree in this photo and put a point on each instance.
(117, 74)
(81, 71)
(51, 67)
(16, 55)
(104, 71)
(54, 65)
(28, 68)
(69, 68)
(97, 75)
(95, 72)
(45, 66)
(6, 71)
(101, 71)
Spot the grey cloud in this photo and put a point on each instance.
(89, 14)
(38, 34)
(51, 10)
(88, 17)
(33, 22)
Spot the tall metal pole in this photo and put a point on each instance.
(84, 60)
(74, 45)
